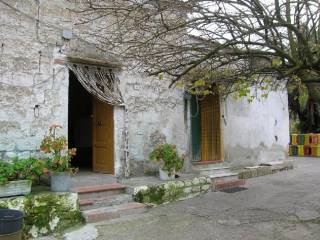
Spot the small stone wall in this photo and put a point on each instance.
(172, 191)
(45, 213)
(258, 171)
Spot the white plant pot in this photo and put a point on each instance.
(15, 188)
(164, 175)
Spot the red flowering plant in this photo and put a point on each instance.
(59, 155)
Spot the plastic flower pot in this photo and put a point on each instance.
(11, 223)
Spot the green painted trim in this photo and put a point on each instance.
(195, 128)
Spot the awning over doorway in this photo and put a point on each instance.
(98, 78)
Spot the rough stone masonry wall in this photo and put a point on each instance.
(155, 112)
(34, 90)
(172, 191)
(257, 171)
(45, 213)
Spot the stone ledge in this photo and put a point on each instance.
(45, 213)
(264, 169)
(170, 191)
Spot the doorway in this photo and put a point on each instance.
(205, 129)
(80, 123)
(90, 129)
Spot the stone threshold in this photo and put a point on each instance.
(195, 163)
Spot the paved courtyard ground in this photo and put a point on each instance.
(282, 206)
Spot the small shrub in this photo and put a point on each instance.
(6, 171)
(21, 169)
(168, 157)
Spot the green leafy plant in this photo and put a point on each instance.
(168, 157)
(56, 148)
(6, 171)
(21, 169)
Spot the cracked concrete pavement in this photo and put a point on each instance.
(282, 206)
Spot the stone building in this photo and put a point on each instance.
(43, 64)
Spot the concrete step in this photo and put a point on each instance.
(112, 212)
(227, 184)
(92, 203)
(98, 191)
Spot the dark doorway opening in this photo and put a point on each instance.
(80, 123)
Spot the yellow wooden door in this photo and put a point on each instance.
(103, 139)
(210, 129)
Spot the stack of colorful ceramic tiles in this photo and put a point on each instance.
(305, 145)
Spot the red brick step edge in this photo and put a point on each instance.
(98, 188)
(228, 184)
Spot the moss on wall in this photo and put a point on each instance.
(46, 213)
(173, 191)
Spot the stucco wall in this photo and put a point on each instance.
(255, 132)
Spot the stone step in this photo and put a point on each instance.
(98, 191)
(112, 212)
(215, 170)
(227, 184)
(278, 165)
(92, 203)
(226, 175)
(202, 166)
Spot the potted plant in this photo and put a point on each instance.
(16, 176)
(59, 159)
(168, 158)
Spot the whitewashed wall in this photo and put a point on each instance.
(255, 132)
